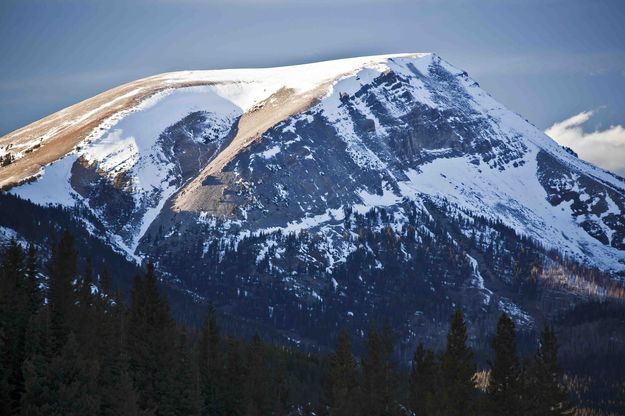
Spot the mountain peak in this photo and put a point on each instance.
(52, 137)
(292, 147)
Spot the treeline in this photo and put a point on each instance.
(71, 347)
(446, 383)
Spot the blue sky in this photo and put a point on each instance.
(547, 60)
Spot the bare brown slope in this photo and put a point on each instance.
(52, 137)
(206, 191)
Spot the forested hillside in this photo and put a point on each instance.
(71, 345)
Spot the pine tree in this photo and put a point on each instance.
(152, 348)
(233, 380)
(32, 280)
(6, 407)
(87, 321)
(126, 399)
(61, 296)
(64, 386)
(257, 390)
(38, 397)
(19, 301)
(186, 376)
(119, 397)
(14, 316)
(378, 382)
(37, 393)
(457, 394)
(104, 281)
(422, 381)
(545, 393)
(343, 380)
(504, 387)
(208, 364)
(85, 296)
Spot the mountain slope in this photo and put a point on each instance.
(387, 185)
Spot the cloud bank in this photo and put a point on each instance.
(604, 148)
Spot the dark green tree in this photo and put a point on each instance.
(257, 384)
(208, 364)
(378, 381)
(14, 316)
(119, 397)
(154, 352)
(504, 389)
(32, 280)
(104, 280)
(66, 385)
(545, 393)
(61, 294)
(234, 378)
(88, 318)
(19, 301)
(456, 390)
(179, 385)
(422, 381)
(342, 389)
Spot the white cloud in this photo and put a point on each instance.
(604, 148)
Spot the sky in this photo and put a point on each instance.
(549, 60)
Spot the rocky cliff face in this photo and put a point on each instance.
(347, 191)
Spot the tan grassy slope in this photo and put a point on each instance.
(49, 139)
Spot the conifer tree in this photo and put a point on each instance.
(343, 380)
(126, 399)
(257, 391)
(85, 297)
(14, 316)
(457, 392)
(61, 294)
(87, 322)
(233, 379)
(378, 378)
(208, 364)
(65, 386)
(119, 397)
(504, 389)
(545, 394)
(152, 348)
(32, 281)
(5, 387)
(422, 381)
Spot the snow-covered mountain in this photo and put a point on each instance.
(187, 167)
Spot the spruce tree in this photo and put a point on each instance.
(378, 384)
(343, 380)
(422, 381)
(14, 316)
(32, 280)
(125, 400)
(457, 394)
(208, 364)
(119, 397)
(6, 407)
(64, 386)
(233, 383)
(104, 280)
(546, 395)
(257, 390)
(61, 294)
(152, 348)
(19, 302)
(504, 389)
(87, 322)
(178, 383)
